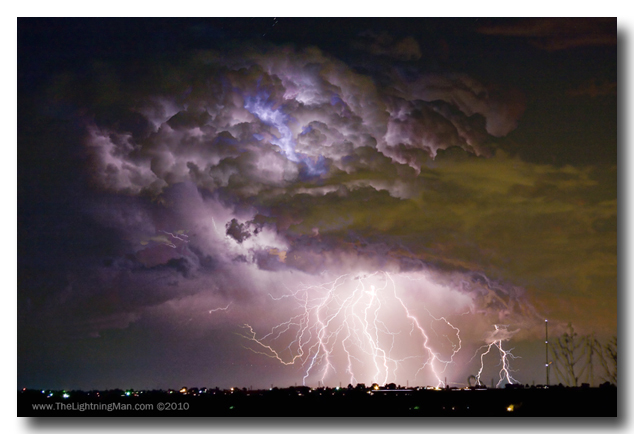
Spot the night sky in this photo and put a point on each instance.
(370, 200)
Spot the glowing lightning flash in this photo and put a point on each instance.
(335, 320)
(262, 107)
(181, 237)
(505, 355)
(220, 308)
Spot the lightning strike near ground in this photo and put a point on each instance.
(359, 328)
(505, 356)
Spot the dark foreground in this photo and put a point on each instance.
(303, 401)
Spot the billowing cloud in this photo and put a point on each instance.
(245, 179)
(278, 118)
(281, 146)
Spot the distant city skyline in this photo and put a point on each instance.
(514, 400)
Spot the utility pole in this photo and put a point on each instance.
(547, 362)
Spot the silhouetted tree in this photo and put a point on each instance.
(607, 358)
(574, 357)
(568, 353)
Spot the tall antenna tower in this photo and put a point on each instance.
(547, 362)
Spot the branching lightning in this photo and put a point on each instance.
(180, 237)
(505, 355)
(343, 325)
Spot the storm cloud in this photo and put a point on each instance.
(235, 177)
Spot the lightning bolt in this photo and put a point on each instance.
(220, 308)
(182, 237)
(505, 355)
(337, 320)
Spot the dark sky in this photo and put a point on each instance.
(377, 199)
